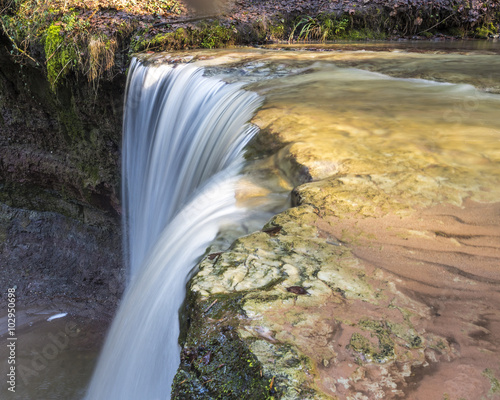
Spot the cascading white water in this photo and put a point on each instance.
(183, 140)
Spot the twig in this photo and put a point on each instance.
(15, 45)
(173, 21)
(5, 8)
(91, 15)
(62, 69)
(440, 22)
(210, 306)
(55, 51)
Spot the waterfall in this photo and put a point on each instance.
(182, 149)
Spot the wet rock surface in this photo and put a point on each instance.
(382, 280)
(57, 345)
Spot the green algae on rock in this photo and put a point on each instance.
(215, 363)
(495, 383)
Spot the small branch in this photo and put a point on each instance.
(6, 7)
(15, 45)
(91, 15)
(55, 51)
(62, 69)
(183, 20)
(440, 22)
(210, 306)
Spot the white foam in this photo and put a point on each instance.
(56, 316)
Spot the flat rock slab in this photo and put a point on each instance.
(382, 280)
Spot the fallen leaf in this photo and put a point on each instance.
(297, 290)
(213, 255)
(273, 231)
(207, 358)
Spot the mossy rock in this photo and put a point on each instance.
(215, 362)
(177, 40)
(495, 383)
(215, 35)
(385, 350)
(60, 56)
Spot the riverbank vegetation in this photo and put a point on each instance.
(95, 39)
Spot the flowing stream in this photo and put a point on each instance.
(183, 141)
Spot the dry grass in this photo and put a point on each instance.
(101, 56)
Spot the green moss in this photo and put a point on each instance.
(362, 345)
(182, 37)
(485, 31)
(33, 197)
(277, 31)
(215, 36)
(206, 36)
(441, 345)
(406, 332)
(362, 34)
(60, 56)
(457, 32)
(71, 124)
(91, 174)
(177, 40)
(215, 363)
(495, 383)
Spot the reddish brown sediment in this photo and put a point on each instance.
(442, 247)
(446, 258)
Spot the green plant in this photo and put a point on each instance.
(277, 31)
(323, 27)
(179, 39)
(25, 25)
(485, 30)
(58, 55)
(310, 28)
(216, 35)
